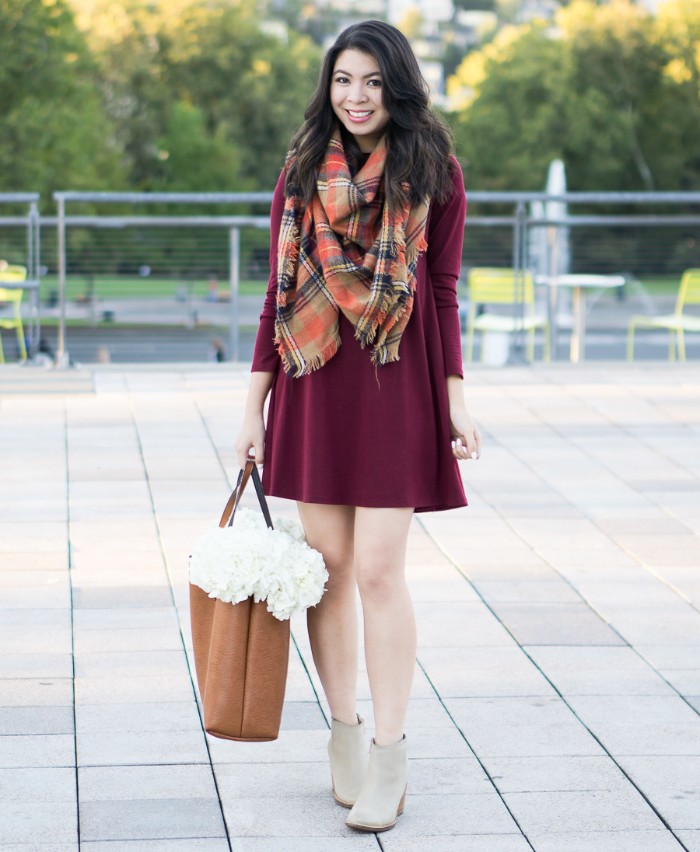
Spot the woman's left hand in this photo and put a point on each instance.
(466, 438)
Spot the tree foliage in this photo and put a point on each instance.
(603, 91)
(53, 129)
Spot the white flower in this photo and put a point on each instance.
(249, 559)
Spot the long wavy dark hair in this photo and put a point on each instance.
(419, 143)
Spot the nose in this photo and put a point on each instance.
(357, 93)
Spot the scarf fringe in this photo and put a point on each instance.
(290, 364)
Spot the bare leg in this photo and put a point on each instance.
(389, 622)
(332, 623)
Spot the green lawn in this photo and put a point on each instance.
(134, 287)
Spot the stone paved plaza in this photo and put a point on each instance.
(556, 704)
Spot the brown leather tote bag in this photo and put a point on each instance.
(241, 651)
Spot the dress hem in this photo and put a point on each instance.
(444, 506)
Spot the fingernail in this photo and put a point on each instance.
(475, 455)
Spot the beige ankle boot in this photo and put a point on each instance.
(383, 791)
(347, 750)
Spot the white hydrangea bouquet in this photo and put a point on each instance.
(250, 559)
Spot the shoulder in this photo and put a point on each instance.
(456, 176)
(454, 205)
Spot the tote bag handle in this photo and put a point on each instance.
(250, 471)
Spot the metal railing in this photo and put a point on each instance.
(531, 230)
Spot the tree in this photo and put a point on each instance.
(511, 124)
(54, 133)
(595, 92)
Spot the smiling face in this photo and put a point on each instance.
(356, 97)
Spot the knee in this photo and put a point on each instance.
(339, 564)
(378, 579)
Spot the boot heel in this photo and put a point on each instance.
(401, 804)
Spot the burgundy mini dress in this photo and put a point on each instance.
(349, 434)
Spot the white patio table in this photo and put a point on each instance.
(579, 285)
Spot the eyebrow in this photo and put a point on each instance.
(348, 74)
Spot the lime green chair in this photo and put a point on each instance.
(676, 323)
(13, 297)
(496, 286)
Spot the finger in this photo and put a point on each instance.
(257, 453)
(472, 449)
(459, 449)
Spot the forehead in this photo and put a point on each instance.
(356, 63)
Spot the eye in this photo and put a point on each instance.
(375, 82)
(340, 79)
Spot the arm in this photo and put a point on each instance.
(444, 261)
(252, 432)
(265, 357)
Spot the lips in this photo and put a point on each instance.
(359, 115)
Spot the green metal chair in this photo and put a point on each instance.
(13, 297)
(676, 323)
(497, 286)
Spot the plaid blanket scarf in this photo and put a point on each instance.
(346, 251)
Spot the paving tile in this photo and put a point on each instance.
(484, 671)
(125, 619)
(160, 716)
(456, 624)
(41, 640)
(119, 783)
(521, 727)
(445, 815)
(596, 670)
(41, 847)
(358, 843)
(35, 692)
(671, 783)
(643, 725)
(143, 819)
(36, 822)
(290, 816)
(36, 666)
(141, 747)
(110, 690)
(573, 811)
(691, 839)
(527, 591)
(301, 714)
(297, 746)
(37, 785)
(113, 597)
(127, 639)
(136, 663)
(558, 773)
(556, 624)
(36, 720)
(685, 681)
(607, 841)
(458, 843)
(191, 844)
(37, 751)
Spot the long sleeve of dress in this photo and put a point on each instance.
(444, 256)
(265, 357)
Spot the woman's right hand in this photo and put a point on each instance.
(251, 437)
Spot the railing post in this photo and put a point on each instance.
(62, 359)
(34, 274)
(519, 240)
(234, 281)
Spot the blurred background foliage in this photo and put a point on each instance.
(191, 95)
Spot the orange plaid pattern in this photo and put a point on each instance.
(346, 251)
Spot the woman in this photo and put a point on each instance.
(359, 343)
